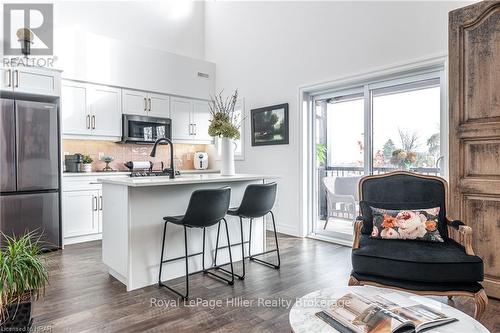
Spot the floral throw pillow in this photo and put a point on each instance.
(419, 224)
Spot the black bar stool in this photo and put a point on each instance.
(257, 202)
(206, 208)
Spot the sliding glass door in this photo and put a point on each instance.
(377, 127)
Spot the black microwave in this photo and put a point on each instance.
(144, 129)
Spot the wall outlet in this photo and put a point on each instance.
(100, 155)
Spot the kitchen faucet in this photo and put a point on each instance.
(170, 171)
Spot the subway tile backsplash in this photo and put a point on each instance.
(124, 152)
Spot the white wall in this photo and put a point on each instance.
(175, 26)
(269, 49)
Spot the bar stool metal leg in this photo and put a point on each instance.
(231, 272)
(160, 283)
(252, 257)
(219, 267)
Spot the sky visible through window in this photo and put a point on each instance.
(411, 114)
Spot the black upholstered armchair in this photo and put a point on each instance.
(447, 268)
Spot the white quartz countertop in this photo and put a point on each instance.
(126, 173)
(182, 179)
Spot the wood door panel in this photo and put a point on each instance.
(478, 185)
(482, 68)
(474, 106)
(482, 158)
(483, 214)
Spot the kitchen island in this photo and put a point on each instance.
(133, 211)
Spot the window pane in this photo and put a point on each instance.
(345, 129)
(340, 163)
(406, 129)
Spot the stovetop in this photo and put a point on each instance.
(147, 173)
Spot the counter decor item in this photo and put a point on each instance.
(87, 163)
(107, 160)
(270, 125)
(73, 162)
(225, 124)
(23, 276)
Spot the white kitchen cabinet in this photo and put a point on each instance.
(90, 110)
(82, 204)
(180, 112)
(105, 109)
(143, 103)
(201, 120)
(6, 74)
(190, 120)
(75, 114)
(80, 213)
(159, 105)
(134, 102)
(29, 80)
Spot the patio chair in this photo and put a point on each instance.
(344, 192)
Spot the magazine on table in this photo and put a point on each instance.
(388, 313)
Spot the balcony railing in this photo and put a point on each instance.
(344, 171)
(347, 171)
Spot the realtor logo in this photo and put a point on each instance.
(28, 29)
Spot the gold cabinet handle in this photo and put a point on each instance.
(17, 78)
(9, 77)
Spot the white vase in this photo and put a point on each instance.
(227, 157)
(87, 167)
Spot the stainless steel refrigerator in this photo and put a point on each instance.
(30, 169)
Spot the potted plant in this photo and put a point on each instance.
(23, 277)
(225, 124)
(87, 163)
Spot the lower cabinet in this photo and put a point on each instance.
(82, 208)
(81, 213)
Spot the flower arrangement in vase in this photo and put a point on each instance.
(403, 159)
(225, 124)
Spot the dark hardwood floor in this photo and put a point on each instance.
(82, 297)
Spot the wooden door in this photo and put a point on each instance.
(474, 90)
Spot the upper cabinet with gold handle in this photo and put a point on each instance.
(33, 81)
(90, 110)
(143, 103)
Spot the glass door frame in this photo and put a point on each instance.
(436, 71)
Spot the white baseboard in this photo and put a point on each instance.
(285, 229)
(82, 239)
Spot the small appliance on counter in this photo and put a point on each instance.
(200, 161)
(73, 162)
